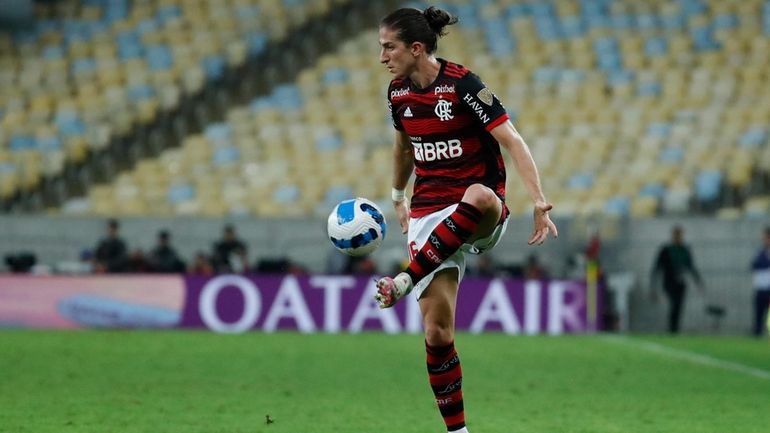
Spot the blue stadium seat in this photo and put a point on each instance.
(692, 7)
(256, 42)
(159, 57)
(703, 39)
(618, 206)
(260, 104)
(71, 126)
(53, 52)
(140, 91)
(623, 22)
(581, 181)
(653, 189)
(147, 25)
(655, 46)
(708, 184)
(648, 88)
(115, 10)
(180, 193)
(335, 76)
(647, 22)
(725, 21)
(336, 194)
(225, 155)
(328, 142)
(51, 143)
(766, 18)
(671, 155)
(82, 66)
(754, 137)
(219, 133)
(573, 26)
(286, 194)
(21, 142)
(287, 97)
(214, 66)
(168, 12)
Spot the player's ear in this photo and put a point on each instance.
(417, 48)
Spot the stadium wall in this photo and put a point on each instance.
(722, 250)
(318, 303)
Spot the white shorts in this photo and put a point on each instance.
(421, 228)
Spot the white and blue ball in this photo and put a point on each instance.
(356, 227)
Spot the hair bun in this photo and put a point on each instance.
(438, 19)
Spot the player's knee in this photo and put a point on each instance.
(480, 196)
(437, 334)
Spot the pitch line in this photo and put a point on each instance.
(695, 358)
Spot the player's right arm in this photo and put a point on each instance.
(403, 166)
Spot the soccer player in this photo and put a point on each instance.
(449, 129)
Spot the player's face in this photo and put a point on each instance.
(395, 54)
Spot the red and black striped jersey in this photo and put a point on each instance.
(448, 124)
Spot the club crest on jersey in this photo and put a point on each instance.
(444, 110)
(485, 96)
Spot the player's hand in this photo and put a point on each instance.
(543, 224)
(402, 213)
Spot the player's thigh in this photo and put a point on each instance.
(439, 300)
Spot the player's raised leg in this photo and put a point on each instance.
(475, 217)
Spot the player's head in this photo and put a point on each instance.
(767, 235)
(164, 237)
(408, 33)
(112, 227)
(677, 234)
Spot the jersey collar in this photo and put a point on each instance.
(413, 87)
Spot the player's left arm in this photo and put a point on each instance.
(492, 115)
(508, 137)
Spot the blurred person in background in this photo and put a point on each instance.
(111, 253)
(201, 265)
(164, 258)
(533, 269)
(760, 267)
(138, 262)
(230, 253)
(449, 131)
(673, 262)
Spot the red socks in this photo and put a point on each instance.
(446, 379)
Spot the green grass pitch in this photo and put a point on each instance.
(129, 381)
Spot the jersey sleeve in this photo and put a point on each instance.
(394, 112)
(479, 99)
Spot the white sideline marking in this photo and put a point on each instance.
(693, 357)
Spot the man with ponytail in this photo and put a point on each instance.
(449, 130)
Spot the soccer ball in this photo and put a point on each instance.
(356, 227)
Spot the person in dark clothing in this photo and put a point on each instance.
(138, 262)
(230, 253)
(760, 268)
(164, 258)
(673, 262)
(111, 252)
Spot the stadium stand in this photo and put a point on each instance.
(88, 72)
(631, 108)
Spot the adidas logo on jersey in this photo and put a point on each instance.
(408, 112)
